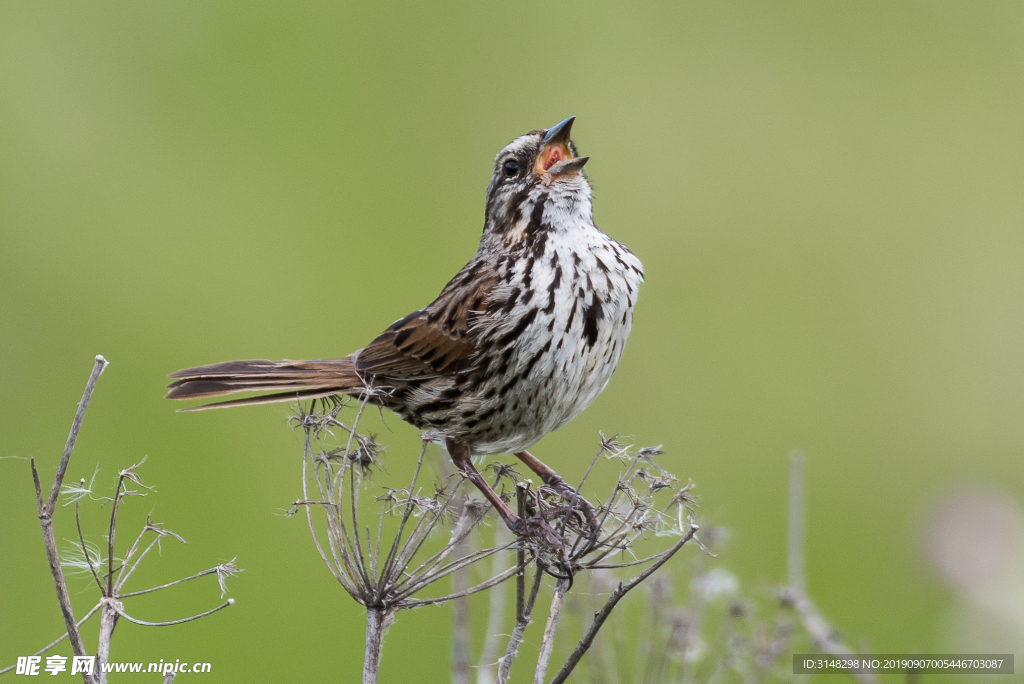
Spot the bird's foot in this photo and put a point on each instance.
(550, 545)
(579, 506)
(537, 528)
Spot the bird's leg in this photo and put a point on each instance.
(558, 485)
(461, 456)
(534, 527)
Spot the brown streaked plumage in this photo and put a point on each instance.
(518, 343)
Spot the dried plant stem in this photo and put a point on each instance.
(547, 643)
(85, 551)
(46, 515)
(112, 534)
(109, 606)
(116, 607)
(98, 366)
(460, 610)
(460, 634)
(795, 547)
(523, 613)
(204, 573)
(307, 457)
(377, 622)
(825, 638)
(620, 591)
(108, 621)
(495, 581)
(495, 616)
(49, 540)
(128, 566)
(389, 562)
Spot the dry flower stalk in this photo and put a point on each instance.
(381, 567)
(384, 572)
(109, 572)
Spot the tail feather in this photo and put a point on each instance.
(288, 380)
(263, 399)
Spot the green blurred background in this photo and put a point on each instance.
(827, 198)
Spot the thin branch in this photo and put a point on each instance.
(35, 479)
(98, 367)
(204, 573)
(377, 623)
(46, 516)
(460, 607)
(614, 566)
(160, 534)
(85, 551)
(599, 619)
(125, 564)
(825, 638)
(126, 474)
(522, 622)
(454, 566)
(547, 643)
(495, 616)
(617, 491)
(429, 567)
(386, 570)
(114, 604)
(421, 533)
(108, 621)
(354, 495)
(376, 548)
(307, 456)
(493, 582)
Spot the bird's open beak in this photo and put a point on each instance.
(556, 157)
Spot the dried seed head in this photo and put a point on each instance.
(225, 570)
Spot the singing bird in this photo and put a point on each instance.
(517, 344)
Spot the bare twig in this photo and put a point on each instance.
(118, 608)
(46, 514)
(620, 591)
(69, 446)
(110, 606)
(220, 570)
(108, 621)
(460, 608)
(111, 612)
(85, 551)
(495, 616)
(381, 573)
(825, 637)
(547, 643)
(377, 623)
(493, 582)
(409, 507)
(128, 566)
(524, 605)
(523, 613)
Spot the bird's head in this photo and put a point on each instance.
(542, 161)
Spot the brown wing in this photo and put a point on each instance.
(437, 340)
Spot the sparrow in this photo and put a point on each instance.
(517, 344)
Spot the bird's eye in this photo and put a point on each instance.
(510, 168)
